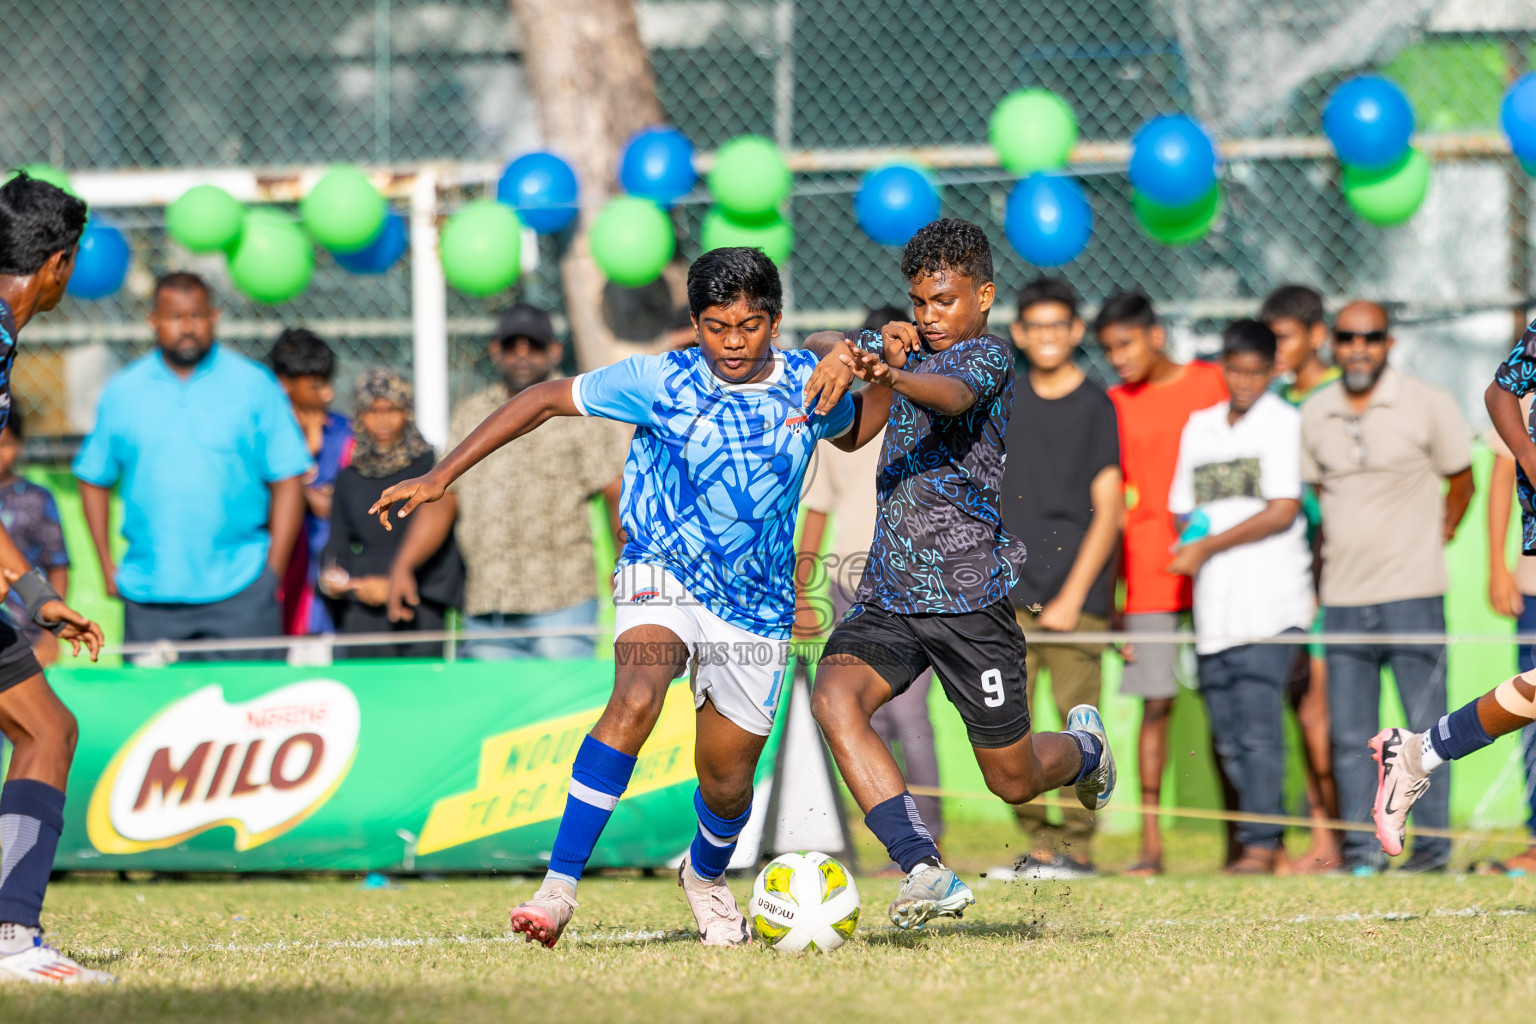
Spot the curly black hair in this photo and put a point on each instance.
(300, 352)
(948, 244)
(721, 276)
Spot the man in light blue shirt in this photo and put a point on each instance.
(209, 459)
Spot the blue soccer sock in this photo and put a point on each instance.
(896, 823)
(1456, 735)
(599, 776)
(1092, 750)
(31, 818)
(715, 841)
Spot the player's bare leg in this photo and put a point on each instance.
(43, 733)
(1405, 760)
(847, 693)
(725, 758)
(1151, 758)
(647, 659)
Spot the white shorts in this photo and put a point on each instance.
(740, 672)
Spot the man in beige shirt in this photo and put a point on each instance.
(1379, 445)
(522, 514)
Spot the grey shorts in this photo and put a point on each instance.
(1154, 673)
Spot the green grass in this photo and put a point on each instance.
(1184, 947)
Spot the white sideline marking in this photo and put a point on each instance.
(652, 935)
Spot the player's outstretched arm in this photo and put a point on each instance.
(947, 396)
(523, 413)
(871, 410)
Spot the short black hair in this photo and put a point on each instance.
(14, 422)
(879, 317)
(1049, 289)
(36, 220)
(1248, 336)
(1293, 302)
(300, 352)
(181, 281)
(1132, 307)
(721, 276)
(948, 244)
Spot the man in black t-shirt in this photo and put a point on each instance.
(1061, 496)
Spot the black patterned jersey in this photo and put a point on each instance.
(939, 545)
(7, 358)
(1517, 375)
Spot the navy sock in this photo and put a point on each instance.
(599, 776)
(31, 818)
(1092, 750)
(897, 824)
(1459, 733)
(715, 840)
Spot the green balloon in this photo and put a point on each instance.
(343, 212)
(481, 247)
(775, 237)
(632, 241)
(1178, 225)
(750, 179)
(1391, 195)
(273, 260)
(205, 219)
(1032, 130)
(45, 172)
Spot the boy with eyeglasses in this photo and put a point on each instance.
(1378, 444)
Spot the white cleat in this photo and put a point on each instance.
(544, 917)
(1400, 781)
(721, 922)
(929, 892)
(43, 964)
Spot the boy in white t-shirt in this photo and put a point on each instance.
(1236, 494)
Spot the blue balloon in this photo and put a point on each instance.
(1369, 121)
(1518, 116)
(101, 263)
(893, 202)
(380, 254)
(1048, 219)
(542, 188)
(658, 165)
(1173, 161)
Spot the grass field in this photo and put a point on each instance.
(1184, 947)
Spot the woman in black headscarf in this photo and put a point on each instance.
(355, 564)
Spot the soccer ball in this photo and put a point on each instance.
(804, 900)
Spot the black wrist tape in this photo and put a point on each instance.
(35, 591)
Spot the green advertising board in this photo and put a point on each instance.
(392, 766)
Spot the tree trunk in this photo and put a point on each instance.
(595, 88)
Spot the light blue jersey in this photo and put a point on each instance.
(712, 483)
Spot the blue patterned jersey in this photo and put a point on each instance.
(8, 331)
(712, 482)
(940, 546)
(1517, 375)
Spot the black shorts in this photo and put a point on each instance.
(978, 657)
(17, 662)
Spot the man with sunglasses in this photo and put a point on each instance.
(1379, 444)
(521, 514)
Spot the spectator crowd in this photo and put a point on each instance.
(1301, 482)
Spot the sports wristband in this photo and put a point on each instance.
(35, 591)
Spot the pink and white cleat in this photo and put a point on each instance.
(42, 963)
(544, 917)
(1400, 781)
(720, 921)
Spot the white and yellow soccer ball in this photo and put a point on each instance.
(802, 901)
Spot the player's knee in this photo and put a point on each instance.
(727, 793)
(834, 705)
(635, 705)
(1011, 787)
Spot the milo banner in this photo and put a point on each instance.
(354, 767)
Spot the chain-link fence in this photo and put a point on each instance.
(198, 83)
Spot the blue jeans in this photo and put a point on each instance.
(1354, 706)
(1244, 690)
(547, 647)
(1527, 624)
